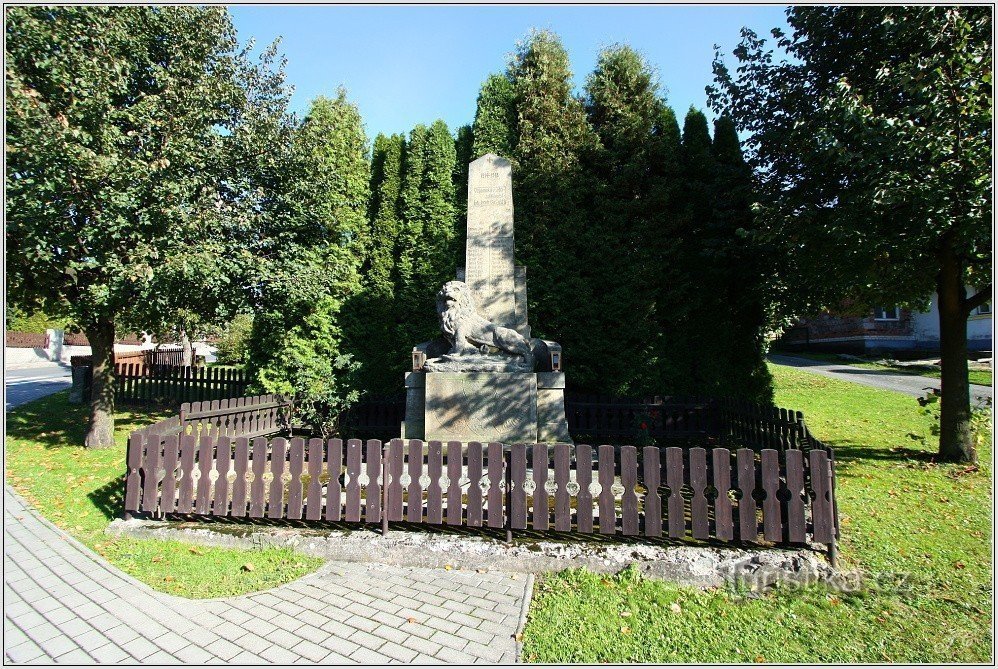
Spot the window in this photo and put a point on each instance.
(886, 314)
(984, 309)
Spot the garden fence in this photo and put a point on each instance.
(744, 495)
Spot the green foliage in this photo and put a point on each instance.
(370, 316)
(305, 365)
(316, 215)
(37, 322)
(872, 145)
(233, 346)
(494, 130)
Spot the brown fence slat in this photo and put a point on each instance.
(171, 458)
(188, 446)
(258, 486)
(724, 528)
(434, 491)
(395, 489)
(474, 484)
(497, 481)
(584, 477)
(454, 471)
(150, 473)
(372, 490)
(296, 464)
(607, 508)
(223, 456)
(133, 480)
(354, 455)
(206, 452)
(772, 518)
(562, 497)
(653, 500)
(698, 503)
(241, 466)
(629, 499)
(539, 463)
(334, 468)
(821, 506)
(518, 494)
(313, 495)
(278, 453)
(796, 527)
(674, 479)
(414, 502)
(748, 524)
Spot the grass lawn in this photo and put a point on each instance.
(82, 490)
(980, 377)
(919, 531)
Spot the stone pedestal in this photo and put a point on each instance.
(486, 407)
(552, 427)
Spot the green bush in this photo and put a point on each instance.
(233, 347)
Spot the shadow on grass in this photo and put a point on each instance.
(109, 499)
(54, 422)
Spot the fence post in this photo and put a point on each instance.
(507, 457)
(384, 490)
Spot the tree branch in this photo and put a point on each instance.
(978, 299)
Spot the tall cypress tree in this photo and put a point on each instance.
(554, 235)
(624, 107)
(746, 263)
(464, 147)
(371, 315)
(427, 256)
(495, 118)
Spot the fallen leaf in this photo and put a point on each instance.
(410, 620)
(248, 567)
(481, 571)
(447, 567)
(960, 565)
(625, 630)
(197, 551)
(675, 607)
(625, 614)
(158, 558)
(168, 579)
(760, 658)
(518, 636)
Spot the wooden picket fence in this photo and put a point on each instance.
(138, 383)
(767, 496)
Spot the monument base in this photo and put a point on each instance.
(486, 407)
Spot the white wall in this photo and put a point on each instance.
(926, 325)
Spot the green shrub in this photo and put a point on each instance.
(233, 347)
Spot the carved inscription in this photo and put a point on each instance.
(477, 406)
(489, 249)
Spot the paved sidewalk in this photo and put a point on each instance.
(63, 602)
(909, 384)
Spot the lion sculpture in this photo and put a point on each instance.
(472, 335)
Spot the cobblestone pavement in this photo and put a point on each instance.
(63, 602)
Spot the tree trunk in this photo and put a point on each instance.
(956, 439)
(185, 341)
(101, 432)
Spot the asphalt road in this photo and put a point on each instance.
(25, 384)
(908, 384)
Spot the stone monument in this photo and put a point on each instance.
(485, 379)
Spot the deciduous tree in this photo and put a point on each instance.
(870, 133)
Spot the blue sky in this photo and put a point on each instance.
(405, 65)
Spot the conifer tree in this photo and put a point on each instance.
(464, 147)
(371, 320)
(625, 109)
(554, 235)
(495, 118)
